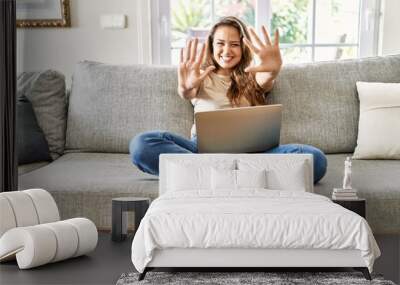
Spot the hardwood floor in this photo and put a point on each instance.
(389, 262)
(102, 266)
(111, 259)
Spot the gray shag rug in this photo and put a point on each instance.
(242, 278)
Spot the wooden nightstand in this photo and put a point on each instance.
(358, 206)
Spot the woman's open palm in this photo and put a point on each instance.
(268, 53)
(190, 75)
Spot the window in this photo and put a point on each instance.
(310, 30)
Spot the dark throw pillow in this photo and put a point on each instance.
(46, 92)
(31, 142)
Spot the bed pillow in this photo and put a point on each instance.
(232, 180)
(183, 177)
(280, 176)
(379, 122)
(190, 172)
(291, 180)
(251, 179)
(223, 179)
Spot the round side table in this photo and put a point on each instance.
(120, 207)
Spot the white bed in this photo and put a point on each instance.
(203, 220)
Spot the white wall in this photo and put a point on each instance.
(390, 30)
(62, 48)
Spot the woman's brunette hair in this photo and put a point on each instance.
(243, 83)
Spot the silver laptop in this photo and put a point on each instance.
(239, 130)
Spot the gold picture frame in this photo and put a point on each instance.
(43, 13)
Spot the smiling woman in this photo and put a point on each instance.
(43, 13)
(221, 76)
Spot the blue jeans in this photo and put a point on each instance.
(145, 149)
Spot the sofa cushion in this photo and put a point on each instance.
(83, 184)
(46, 91)
(31, 142)
(109, 104)
(25, 168)
(378, 181)
(320, 103)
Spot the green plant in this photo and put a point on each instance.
(188, 14)
(291, 18)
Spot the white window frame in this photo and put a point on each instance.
(370, 21)
(370, 14)
(160, 32)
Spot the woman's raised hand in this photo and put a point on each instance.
(189, 74)
(268, 53)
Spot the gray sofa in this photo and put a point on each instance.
(109, 104)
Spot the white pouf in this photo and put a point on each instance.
(31, 232)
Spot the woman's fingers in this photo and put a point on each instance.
(206, 72)
(193, 52)
(250, 45)
(276, 42)
(188, 50)
(266, 35)
(255, 38)
(201, 55)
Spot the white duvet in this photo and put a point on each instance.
(250, 219)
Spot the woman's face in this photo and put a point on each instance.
(227, 49)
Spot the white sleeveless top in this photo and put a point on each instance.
(212, 95)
